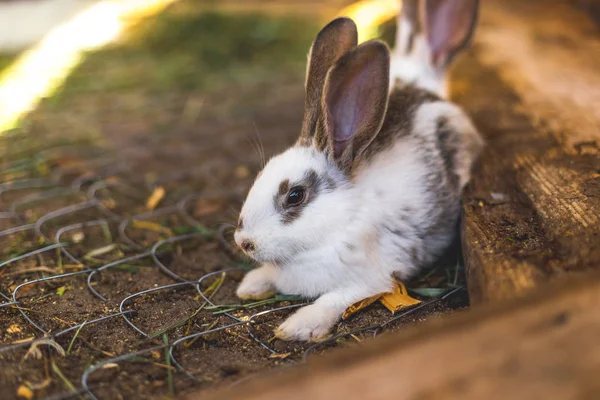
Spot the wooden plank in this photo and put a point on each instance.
(542, 346)
(532, 85)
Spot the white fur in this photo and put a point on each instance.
(425, 122)
(337, 248)
(415, 67)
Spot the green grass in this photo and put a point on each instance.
(196, 51)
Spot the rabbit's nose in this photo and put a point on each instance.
(247, 245)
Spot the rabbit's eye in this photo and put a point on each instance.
(295, 196)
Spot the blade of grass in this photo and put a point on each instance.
(60, 261)
(63, 378)
(106, 232)
(75, 337)
(430, 292)
(458, 266)
(168, 362)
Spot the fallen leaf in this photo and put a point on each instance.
(356, 307)
(398, 299)
(206, 207)
(100, 251)
(24, 392)
(353, 336)
(75, 267)
(23, 289)
(29, 339)
(156, 354)
(109, 203)
(61, 290)
(78, 237)
(151, 226)
(394, 301)
(155, 198)
(281, 356)
(14, 328)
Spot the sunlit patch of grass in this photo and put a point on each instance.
(196, 51)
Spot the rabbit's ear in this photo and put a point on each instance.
(333, 41)
(409, 26)
(355, 100)
(449, 26)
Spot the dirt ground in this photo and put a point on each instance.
(187, 105)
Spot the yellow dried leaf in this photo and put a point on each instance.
(155, 198)
(24, 392)
(100, 251)
(151, 226)
(29, 339)
(281, 356)
(353, 336)
(398, 299)
(14, 328)
(156, 354)
(78, 237)
(75, 267)
(356, 307)
(394, 301)
(109, 203)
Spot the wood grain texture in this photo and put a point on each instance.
(532, 85)
(541, 346)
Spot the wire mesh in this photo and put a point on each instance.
(74, 244)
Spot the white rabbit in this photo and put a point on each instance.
(371, 188)
(429, 35)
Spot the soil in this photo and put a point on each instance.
(190, 103)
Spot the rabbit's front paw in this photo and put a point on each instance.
(257, 284)
(311, 323)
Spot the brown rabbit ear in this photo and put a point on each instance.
(334, 40)
(355, 100)
(449, 26)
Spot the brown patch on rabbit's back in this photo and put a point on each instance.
(404, 101)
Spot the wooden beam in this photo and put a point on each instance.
(532, 85)
(541, 346)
